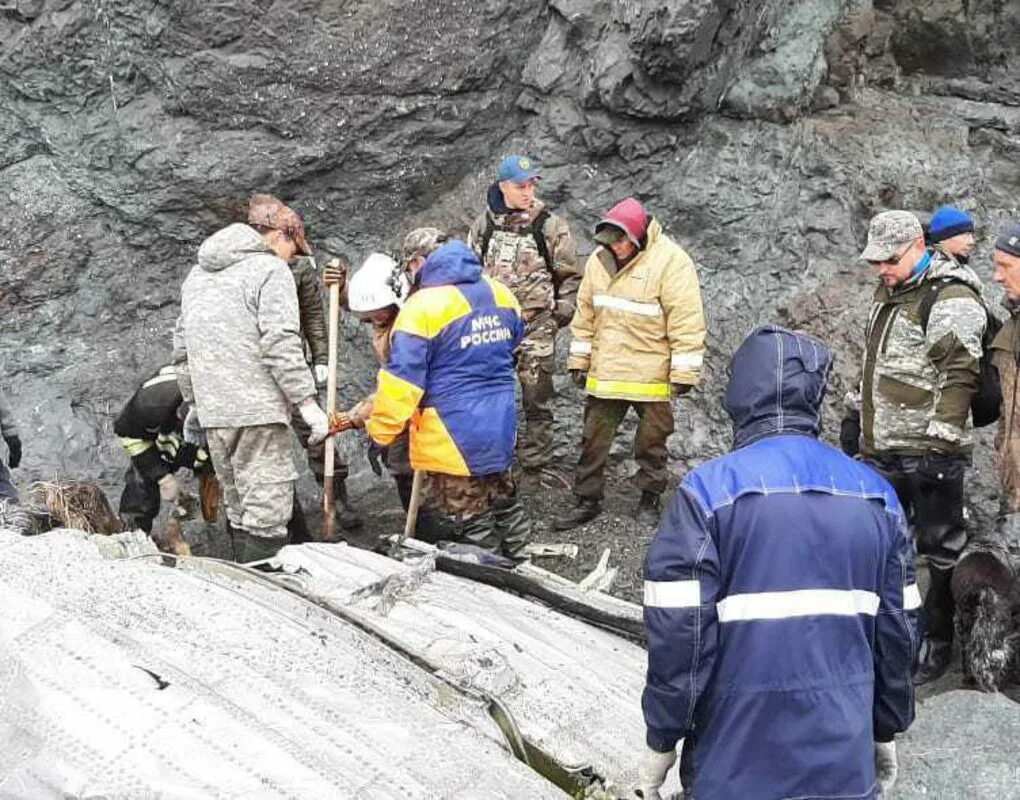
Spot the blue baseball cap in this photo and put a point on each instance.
(518, 169)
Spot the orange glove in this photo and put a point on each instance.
(339, 422)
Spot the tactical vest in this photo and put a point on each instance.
(518, 256)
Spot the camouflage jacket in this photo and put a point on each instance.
(917, 383)
(313, 318)
(513, 258)
(237, 347)
(1006, 353)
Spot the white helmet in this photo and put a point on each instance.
(379, 283)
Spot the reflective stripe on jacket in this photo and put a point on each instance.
(640, 329)
(451, 370)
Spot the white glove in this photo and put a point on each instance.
(653, 771)
(169, 489)
(316, 419)
(193, 428)
(886, 767)
(321, 374)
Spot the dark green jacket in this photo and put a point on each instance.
(313, 318)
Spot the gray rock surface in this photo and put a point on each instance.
(963, 746)
(762, 134)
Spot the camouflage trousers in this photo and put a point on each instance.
(467, 495)
(255, 465)
(536, 363)
(601, 419)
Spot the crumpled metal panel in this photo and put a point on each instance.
(125, 679)
(573, 689)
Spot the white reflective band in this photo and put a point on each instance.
(579, 348)
(163, 377)
(686, 361)
(672, 594)
(630, 306)
(799, 603)
(911, 597)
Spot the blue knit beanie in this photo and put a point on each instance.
(948, 222)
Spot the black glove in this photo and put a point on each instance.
(14, 445)
(375, 452)
(579, 377)
(850, 434)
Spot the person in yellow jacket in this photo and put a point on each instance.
(638, 339)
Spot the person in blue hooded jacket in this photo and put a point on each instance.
(780, 603)
(450, 377)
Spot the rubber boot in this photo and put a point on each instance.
(480, 530)
(649, 510)
(435, 527)
(259, 548)
(404, 485)
(585, 510)
(937, 647)
(297, 528)
(235, 538)
(513, 527)
(348, 518)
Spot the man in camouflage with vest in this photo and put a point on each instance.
(910, 418)
(529, 249)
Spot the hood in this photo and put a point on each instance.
(777, 382)
(499, 208)
(454, 262)
(630, 217)
(944, 266)
(232, 244)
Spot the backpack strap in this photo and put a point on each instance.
(487, 232)
(931, 296)
(539, 236)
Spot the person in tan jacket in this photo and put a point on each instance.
(638, 339)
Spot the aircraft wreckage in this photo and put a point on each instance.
(340, 674)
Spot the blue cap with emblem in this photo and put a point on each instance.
(518, 169)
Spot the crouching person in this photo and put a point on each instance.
(238, 356)
(780, 603)
(450, 376)
(151, 431)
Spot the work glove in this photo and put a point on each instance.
(652, 772)
(321, 374)
(579, 377)
(193, 428)
(169, 489)
(850, 434)
(316, 419)
(14, 445)
(680, 389)
(375, 452)
(335, 271)
(886, 767)
(340, 421)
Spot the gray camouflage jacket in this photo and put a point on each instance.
(237, 346)
(917, 384)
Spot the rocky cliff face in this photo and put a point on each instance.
(762, 134)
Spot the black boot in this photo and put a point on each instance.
(348, 518)
(585, 510)
(297, 528)
(649, 510)
(937, 647)
(513, 527)
(259, 548)
(435, 527)
(404, 487)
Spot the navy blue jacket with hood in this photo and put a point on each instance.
(780, 601)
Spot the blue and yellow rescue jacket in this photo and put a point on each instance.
(451, 369)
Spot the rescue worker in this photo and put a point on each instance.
(952, 232)
(638, 338)
(239, 358)
(151, 431)
(526, 247)
(267, 213)
(450, 376)
(377, 291)
(910, 418)
(9, 433)
(779, 602)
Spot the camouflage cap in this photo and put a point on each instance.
(266, 211)
(421, 242)
(889, 232)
